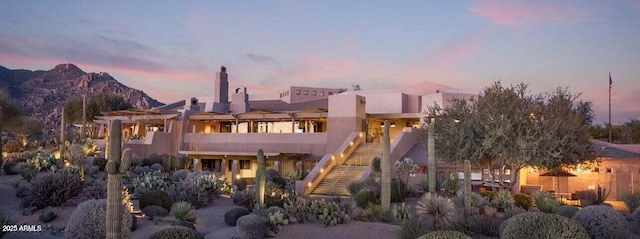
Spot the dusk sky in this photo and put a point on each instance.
(171, 50)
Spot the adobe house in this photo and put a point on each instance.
(319, 130)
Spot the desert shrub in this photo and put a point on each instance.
(401, 213)
(273, 195)
(177, 232)
(398, 195)
(23, 189)
(355, 187)
(55, 189)
(542, 225)
(188, 191)
(12, 146)
(245, 198)
(156, 197)
(251, 226)
(41, 160)
(8, 167)
(602, 222)
(298, 207)
(142, 169)
(488, 195)
(414, 228)
(231, 216)
(523, 200)
(567, 210)
(154, 211)
(632, 201)
(444, 235)
(437, 208)
(364, 197)
(157, 167)
(213, 183)
(26, 170)
(5, 219)
(100, 162)
(272, 173)
(179, 175)
(546, 202)
(510, 212)
(476, 201)
(485, 225)
(47, 215)
(636, 221)
(94, 189)
(279, 181)
(155, 180)
(503, 200)
(183, 211)
(331, 214)
(88, 221)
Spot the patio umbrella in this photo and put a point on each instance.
(557, 174)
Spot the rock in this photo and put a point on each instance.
(231, 216)
(29, 211)
(183, 224)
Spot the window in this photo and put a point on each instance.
(243, 164)
(306, 92)
(330, 93)
(485, 170)
(596, 170)
(609, 170)
(321, 93)
(507, 171)
(496, 171)
(314, 93)
(297, 92)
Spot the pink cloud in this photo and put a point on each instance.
(524, 13)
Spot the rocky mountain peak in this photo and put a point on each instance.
(42, 94)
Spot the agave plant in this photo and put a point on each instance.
(439, 209)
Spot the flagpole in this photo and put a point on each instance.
(610, 126)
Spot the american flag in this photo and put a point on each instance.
(612, 87)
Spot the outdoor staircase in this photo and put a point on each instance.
(336, 181)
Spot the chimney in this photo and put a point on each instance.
(221, 90)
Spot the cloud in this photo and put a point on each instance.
(261, 58)
(517, 14)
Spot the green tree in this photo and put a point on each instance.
(96, 104)
(508, 127)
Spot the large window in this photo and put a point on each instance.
(242, 164)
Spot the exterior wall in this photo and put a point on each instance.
(381, 102)
(306, 94)
(311, 143)
(154, 143)
(442, 99)
(346, 115)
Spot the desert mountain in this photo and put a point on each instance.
(42, 94)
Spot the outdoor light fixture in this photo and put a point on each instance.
(237, 176)
(309, 184)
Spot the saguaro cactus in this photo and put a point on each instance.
(260, 178)
(62, 134)
(467, 187)
(431, 155)
(385, 163)
(117, 165)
